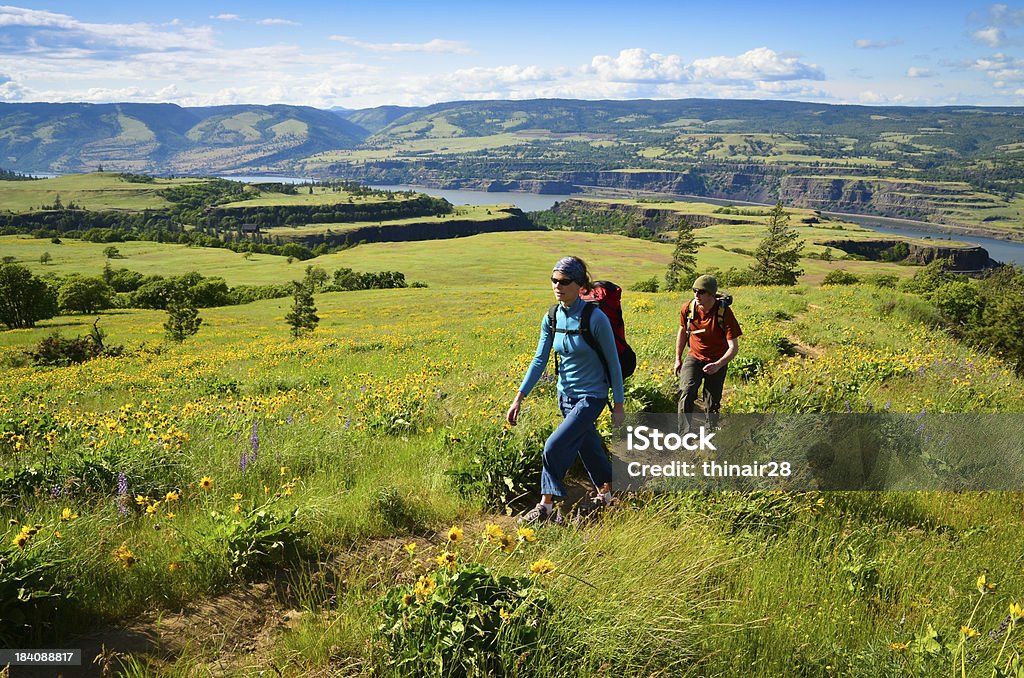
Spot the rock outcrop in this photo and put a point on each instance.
(965, 259)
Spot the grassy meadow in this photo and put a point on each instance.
(318, 471)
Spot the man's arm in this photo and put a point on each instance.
(734, 347)
(680, 349)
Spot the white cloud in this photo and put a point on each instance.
(65, 32)
(991, 36)
(638, 65)
(915, 72)
(278, 22)
(1002, 15)
(757, 64)
(226, 17)
(869, 97)
(435, 45)
(876, 44)
(1001, 68)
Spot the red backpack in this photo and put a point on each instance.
(606, 296)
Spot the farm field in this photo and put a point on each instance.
(96, 191)
(280, 482)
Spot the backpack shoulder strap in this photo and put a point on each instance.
(551, 317)
(589, 337)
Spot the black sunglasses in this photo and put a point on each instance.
(562, 281)
(700, 291)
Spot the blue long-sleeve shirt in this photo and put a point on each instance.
(580, 372)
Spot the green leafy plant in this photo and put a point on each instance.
(465, 621)
(259, 538)
(499, 465)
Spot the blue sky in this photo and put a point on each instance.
(362, 54)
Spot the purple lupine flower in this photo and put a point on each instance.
(254, 440)
(887, 404)
(291, 418)
(122, 493)
(348, 420)
(919, 415)
(848, 408)
(55, 491)
(243, 462)
(920, 428)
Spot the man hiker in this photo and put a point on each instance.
(707, 325)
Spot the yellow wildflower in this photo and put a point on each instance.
(172, 496)
(1016, 611)
(898, 647)
(237, 509)
(141, 499)
(447, 559)
(237, 496)
(151, 509)
(284, 469)
(171, 514)
(507, 543)
(20, 539)
(505, 616)
(124, 555)
(455, 534)
(67, 514)
(493, 533)
(527, 534)
(173, 567)
(424, 587)
(407, 599)
(542, 568)
(410, 548)
(983, 585)
(968, 632)
(206, 482)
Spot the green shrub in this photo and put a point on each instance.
(646, 285)
(881, 280)
(840, 277)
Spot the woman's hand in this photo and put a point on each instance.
(512, 416)
(618, 414)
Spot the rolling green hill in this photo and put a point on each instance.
(165, 138)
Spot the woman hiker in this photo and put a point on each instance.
(583, 386)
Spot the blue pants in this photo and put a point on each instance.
(575, 435)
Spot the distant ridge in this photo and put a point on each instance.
(166, 138)
(609, 135)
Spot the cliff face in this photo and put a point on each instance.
(653, 219)
(765, 184)
(964, 259)
(514, 221)
(871, 196)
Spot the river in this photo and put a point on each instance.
(1000, 250)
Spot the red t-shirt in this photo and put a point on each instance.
(709, 337)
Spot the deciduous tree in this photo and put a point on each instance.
(24, 298)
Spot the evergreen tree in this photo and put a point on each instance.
(778, 255)
(24, 298)
(302, 317)
(683, 267)
(182, 319)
